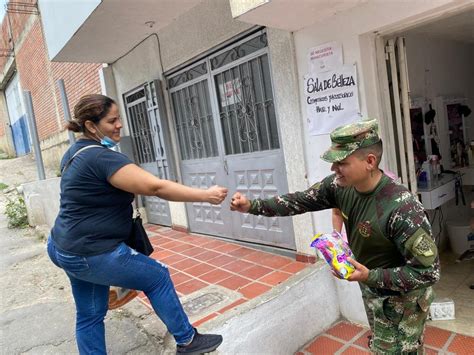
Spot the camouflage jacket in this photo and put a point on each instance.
(387, 229)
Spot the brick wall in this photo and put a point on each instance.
(18, 22)
(39, 75)
(34, 73)
(79, 79)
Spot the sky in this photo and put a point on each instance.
(2, 9)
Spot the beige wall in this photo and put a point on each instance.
(240, 7)
(205, 26)
(52, 150)
(6, 142)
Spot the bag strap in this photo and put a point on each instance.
(97, 146)
(137, 210)
(75, 154)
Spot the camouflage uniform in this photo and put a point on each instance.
(388, 232)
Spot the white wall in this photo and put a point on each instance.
(439, 67)
(136, 68)
(283, 319)
(355, 30)
(351, 306)
(285, 84)
(205, 26)
(65, 15)
(42, 201)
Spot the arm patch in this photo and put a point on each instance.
(422, 246)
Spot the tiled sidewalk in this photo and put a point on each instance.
(196, 262)
(346, 338)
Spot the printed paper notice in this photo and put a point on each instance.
(230, 92)
(325, 57)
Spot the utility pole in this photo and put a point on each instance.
(34, 134)
(67, 114)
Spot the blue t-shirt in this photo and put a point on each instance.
(94, 216)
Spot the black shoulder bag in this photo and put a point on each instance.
(138, 238)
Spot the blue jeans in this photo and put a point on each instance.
(91, 277)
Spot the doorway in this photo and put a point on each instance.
(144, 108)
(227, 131)
(18, 121)
(429, 88)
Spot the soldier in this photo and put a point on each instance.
(387, 229)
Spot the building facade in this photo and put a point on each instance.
(26, 66)
(223, 92)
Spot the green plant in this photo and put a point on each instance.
(3, 186)
(15, 211)
(4, 155)
(41, 236)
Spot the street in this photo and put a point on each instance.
(37, 310)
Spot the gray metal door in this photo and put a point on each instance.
(146, 130)
(201, 163)
(228, 134)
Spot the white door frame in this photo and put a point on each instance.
(407, 168)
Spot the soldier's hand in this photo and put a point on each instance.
(361, 273)
(216, 194)
(239, 203)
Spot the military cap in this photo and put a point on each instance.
(347, 139)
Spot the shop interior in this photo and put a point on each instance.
(440, 69)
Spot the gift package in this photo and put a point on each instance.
(335, 251)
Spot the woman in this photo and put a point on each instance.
(94, 220)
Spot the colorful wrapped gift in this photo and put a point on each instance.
(335, 251)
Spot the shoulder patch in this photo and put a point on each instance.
(422, 246)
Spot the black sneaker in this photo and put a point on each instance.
(201, 344)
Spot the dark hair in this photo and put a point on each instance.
(93, 108)
(375, 149)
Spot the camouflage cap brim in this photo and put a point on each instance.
(334, 155)
(348, 138)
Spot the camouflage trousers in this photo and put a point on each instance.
(397, 320)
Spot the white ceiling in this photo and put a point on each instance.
(290, 15)
(458, 27)
(116, 26)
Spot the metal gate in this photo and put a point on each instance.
(227, 133)
(146, 130)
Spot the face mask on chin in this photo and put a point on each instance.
(106, 141)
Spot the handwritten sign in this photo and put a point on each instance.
(331, 99)
(325, 57)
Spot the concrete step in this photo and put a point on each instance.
(279, 321)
